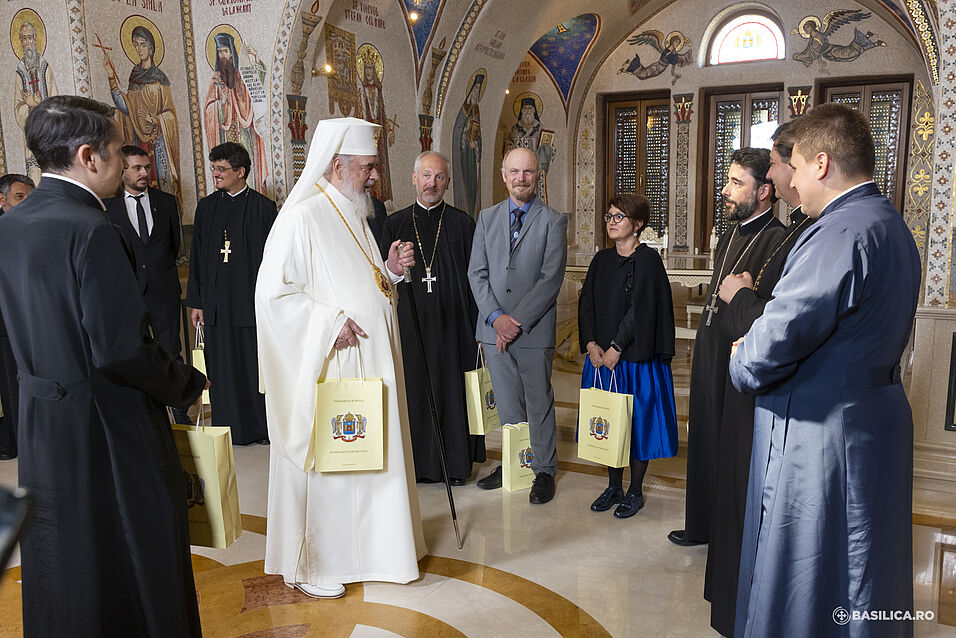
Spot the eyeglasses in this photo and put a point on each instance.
(617, 217)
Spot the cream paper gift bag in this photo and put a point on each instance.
(516, 455)
(480, 399)
(605, 424)
(211, 488)
(348, 433)
(199, 361)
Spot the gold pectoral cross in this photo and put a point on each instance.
(225, 251)
(428, 279)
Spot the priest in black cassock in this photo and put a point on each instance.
(229, 235)
(14, 189)
(106, 550)
(442, 237)
(748, 199)
(745, 294)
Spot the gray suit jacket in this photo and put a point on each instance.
(524, 283)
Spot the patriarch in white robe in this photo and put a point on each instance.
(325, 309)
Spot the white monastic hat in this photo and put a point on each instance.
(334, 136)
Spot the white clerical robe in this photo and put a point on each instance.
(338, 527)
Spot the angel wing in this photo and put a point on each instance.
(652, 37)
(836, 19)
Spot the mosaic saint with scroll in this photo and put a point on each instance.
(527, 133)
(228, 111)
(34, 82)
(145, 111)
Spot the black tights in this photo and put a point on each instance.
(616, 476)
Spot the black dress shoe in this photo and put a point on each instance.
(457, 482)
(608, 497)
(492, 481)
(6, 456)
(542, 490)
(679, 537)
(264, 441)
(631, 505)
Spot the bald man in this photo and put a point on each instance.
(516, 269)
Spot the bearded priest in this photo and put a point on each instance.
(325, 308)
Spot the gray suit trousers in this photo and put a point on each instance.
(521, 378)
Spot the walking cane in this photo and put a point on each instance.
(431, 402)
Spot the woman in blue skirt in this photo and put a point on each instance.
(626, 323)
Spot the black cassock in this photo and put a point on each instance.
(735, 440)
(447, 316)
(8, 393)
(709, 376)
(225, 293)
(106, 550)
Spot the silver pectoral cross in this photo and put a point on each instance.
(428, 279)
(225, 251)
(711, 308)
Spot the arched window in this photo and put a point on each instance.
(746, 37)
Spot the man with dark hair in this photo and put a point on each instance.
(14, 188)
(828, 530)
(748, 198)
(229, 235)
(107, 549)
(149, 218)
(746, 295)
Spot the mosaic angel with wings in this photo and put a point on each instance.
(669, 47)
(819, 49)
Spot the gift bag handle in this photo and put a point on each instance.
(200, 338)
(479, 357)
(361, 362)
(612, 386)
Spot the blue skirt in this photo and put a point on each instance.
(654, 433)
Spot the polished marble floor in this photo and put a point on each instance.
(551, 570)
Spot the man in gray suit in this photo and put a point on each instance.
(516, 269)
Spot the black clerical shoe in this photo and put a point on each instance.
(458, 482)
(631, 505)
(608, 497)
(492, 481)
(264, 441)
(679, 537)
(542, 490)
(6, 456)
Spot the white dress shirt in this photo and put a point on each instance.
(130, 200)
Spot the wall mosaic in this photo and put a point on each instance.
(683, 109)
(940, 228)
(817, 33)
(422, 29)
(671, 49)
(920, 168)
(584, 166)
(561, 51)
(456, 48)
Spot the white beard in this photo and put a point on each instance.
(363, 202)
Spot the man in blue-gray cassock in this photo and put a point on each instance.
(828, 527)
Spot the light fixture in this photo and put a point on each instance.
(328, 68)
(507, 91)
(413, 16)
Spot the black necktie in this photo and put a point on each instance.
(516, 227)
(141, 218)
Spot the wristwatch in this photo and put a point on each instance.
(615, 346)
